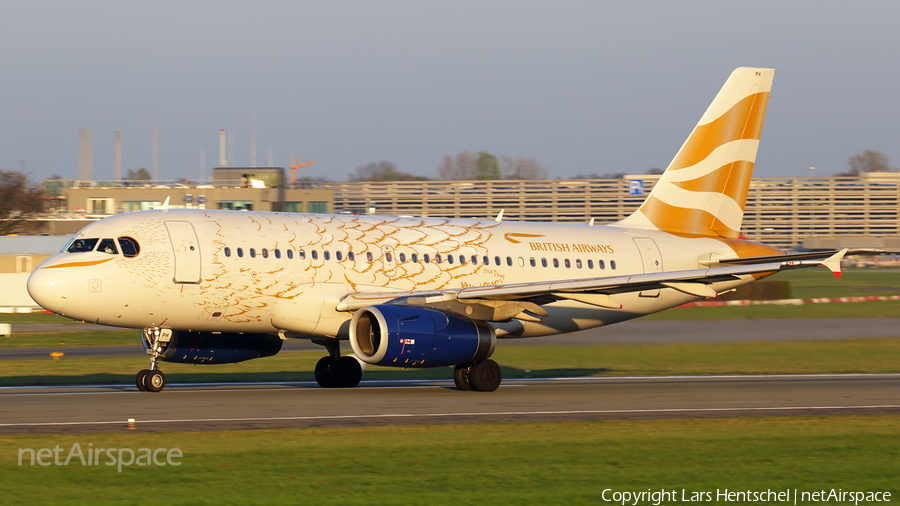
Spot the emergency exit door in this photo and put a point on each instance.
(187, 251)
(651, 260)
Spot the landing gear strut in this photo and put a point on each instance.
(151, 380)
(481, 377)
(335, 371)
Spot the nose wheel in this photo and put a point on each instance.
(151, 380)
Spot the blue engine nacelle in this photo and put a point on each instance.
(407, 336)
(221, 348)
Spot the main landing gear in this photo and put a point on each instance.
(481, 377)
(151, 380)
(335, 371)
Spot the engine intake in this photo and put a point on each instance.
(406, 336)
(224, 348)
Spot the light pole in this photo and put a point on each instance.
(812, 205)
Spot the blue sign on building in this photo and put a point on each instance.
(636, 187)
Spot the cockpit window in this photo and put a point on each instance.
(130, 247)
(108, 246)
(82, 245)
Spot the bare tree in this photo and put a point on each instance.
(383, 171)
(869, 161)
(140, 175)
(20, 201)
(462, 168)
(522, 168)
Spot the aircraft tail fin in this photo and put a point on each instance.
(704, 189)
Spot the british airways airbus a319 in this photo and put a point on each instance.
(212, 287)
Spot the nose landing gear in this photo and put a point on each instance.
(155, 341)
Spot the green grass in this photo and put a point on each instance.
(875, 309)
(812, 283)
(74, 337)
(41, 317)
(806, 357)
(496, 463)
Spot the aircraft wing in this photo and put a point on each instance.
(523, 300)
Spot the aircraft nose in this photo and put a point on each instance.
(50, 288)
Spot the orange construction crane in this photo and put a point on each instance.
(294, 171)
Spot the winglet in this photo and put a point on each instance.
(165, 206)
(499, 217)
(834, 262)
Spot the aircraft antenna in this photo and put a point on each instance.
(499, 217)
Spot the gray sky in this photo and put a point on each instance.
(582, 87)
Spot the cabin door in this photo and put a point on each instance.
(187, 251)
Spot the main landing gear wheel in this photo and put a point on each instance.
(154, 381)
(139, 380)
(461, 377)
(343, 372)
(481, 377)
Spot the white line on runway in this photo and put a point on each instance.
(446, 415)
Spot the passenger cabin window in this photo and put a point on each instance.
(601, 264)
(555, 262)
(227, 251)
(289, 253)
(338, 256)
(578, 263)
(265, 253)
(130, 247)
(82, 245)
(240, 252)
(450, 259)
(301, 255)
(590, 264)
(327, 255)
(252, 252)
(314, 254)
(108, 246)
(402, 257)
(350, 256)
(437, 258)
(497, 260)
(427, 258)
(277, 253)
(369, 256)
(509, 261)
(485, 260)
(474, 259)
(544, 262)
(612, 264)
(415, 258)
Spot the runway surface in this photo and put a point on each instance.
(632, 332)
(269, 405)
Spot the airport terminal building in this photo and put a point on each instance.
(788, 213)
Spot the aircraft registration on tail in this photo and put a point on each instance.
(212, 287)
